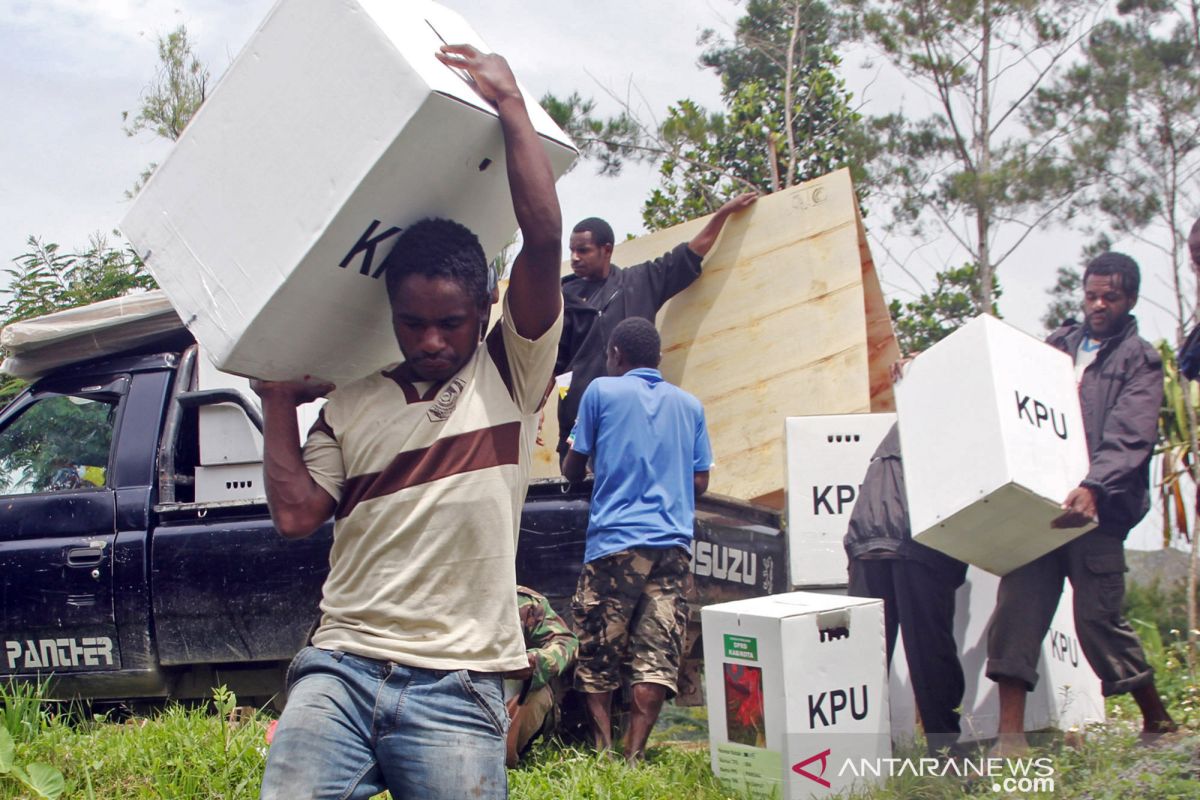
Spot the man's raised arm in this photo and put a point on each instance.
(703, 241)
(534, 296)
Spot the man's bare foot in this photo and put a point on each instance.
(1010, 745)
(1159, 732)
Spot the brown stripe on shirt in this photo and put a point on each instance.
(454, 455)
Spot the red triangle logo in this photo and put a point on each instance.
(823, 757)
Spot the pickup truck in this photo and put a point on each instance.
(118, 584)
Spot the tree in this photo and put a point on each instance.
(169, 101)
(1134, 101)
(1066, 295)
(46, 279)
(787, 117)
(1064, 298)
(971, 166)
(933, 316)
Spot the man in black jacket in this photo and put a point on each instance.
(917, 586)
(599, 295)
(1120, 392)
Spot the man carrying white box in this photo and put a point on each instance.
(424, 467)
(1120, 391)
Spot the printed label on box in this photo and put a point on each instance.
(753, 772)
(744, 647)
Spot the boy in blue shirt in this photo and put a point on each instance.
(651, 456)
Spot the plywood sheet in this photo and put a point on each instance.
(776, 326)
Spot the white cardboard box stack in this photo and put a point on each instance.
(827, 457)
(796, 690)
(333, 129)
(993, 442)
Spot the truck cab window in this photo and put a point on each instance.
(59, 443)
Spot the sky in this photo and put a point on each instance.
(71, 67)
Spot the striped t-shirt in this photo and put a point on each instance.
(429, 481)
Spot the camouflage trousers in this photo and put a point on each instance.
(630, 610)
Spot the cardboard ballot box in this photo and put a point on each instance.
(334, 129)
(797, 693)
(1068, 692)
(225, 482)
(231, 446)
(227, 436)
(827, 457)
(993, 442)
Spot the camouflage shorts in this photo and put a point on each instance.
(630, 608)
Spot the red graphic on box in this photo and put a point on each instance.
(744, 720)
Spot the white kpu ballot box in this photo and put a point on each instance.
(993, 442)
(1068, 692)
(827, 458)
(227, 436)
(333, 130)
(797, 693)
(231, 446)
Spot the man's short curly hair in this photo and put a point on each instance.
(638, 341)
(439, 248)
(601, 231)
(1129, 277)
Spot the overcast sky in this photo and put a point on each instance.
(71, 67)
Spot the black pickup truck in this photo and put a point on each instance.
(118, 584)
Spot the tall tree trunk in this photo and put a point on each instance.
(984, 159)
(788, 101)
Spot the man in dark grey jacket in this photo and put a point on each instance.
(600, 295)
(917, 586)
(1120, 392)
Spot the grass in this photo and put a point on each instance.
(183, 753)
(179, 753)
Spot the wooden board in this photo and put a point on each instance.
(786, 320)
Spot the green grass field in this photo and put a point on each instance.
(196, 753)
(49, 749)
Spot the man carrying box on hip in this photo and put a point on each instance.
(424, 466)
(1120, 392)
(651, 457)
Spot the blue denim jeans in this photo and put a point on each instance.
(354, 727)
